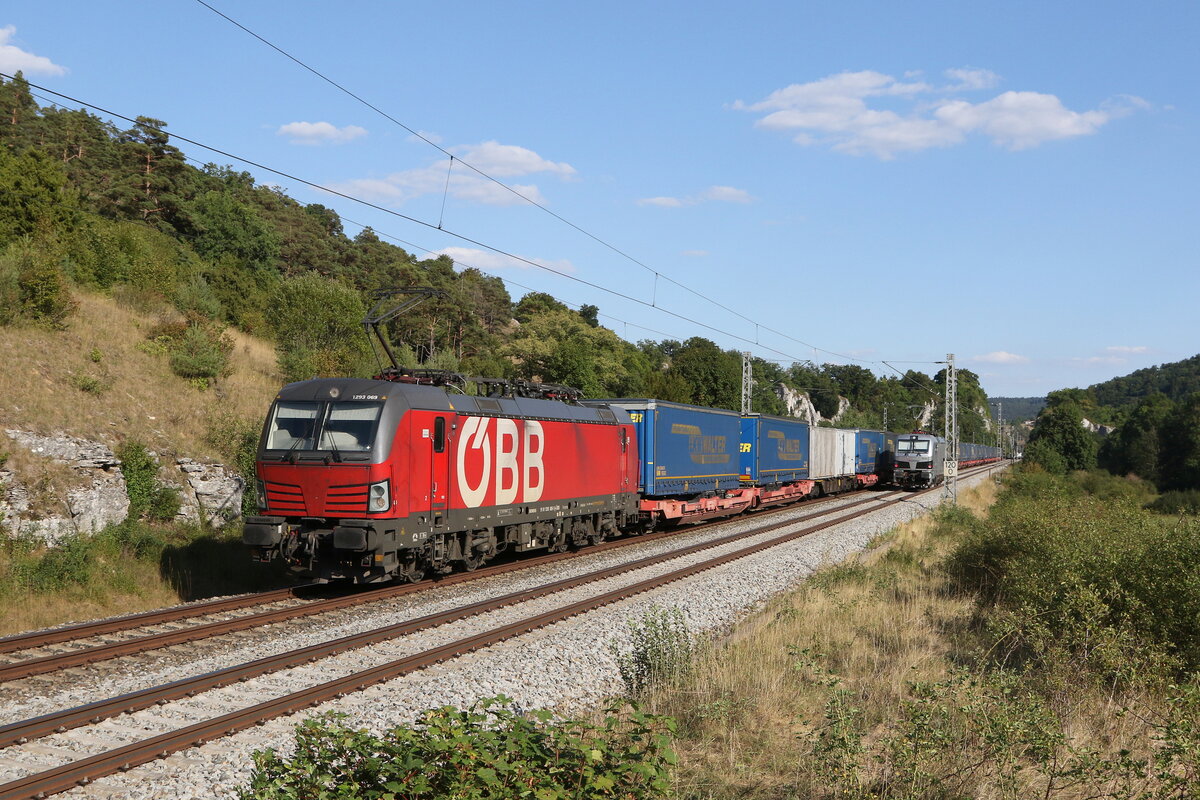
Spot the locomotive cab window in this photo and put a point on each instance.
(293, 426)
(350, 427)
(912, 445)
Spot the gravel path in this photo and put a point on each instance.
(569, 666)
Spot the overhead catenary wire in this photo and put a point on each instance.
(406, 217)
(459, 236)
(657, 274)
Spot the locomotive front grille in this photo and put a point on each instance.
(285, 497)
(346, 499)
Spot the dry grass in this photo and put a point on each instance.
(133, 393)
(751, 710)
(28, 612)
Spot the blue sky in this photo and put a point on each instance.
(1015, 183)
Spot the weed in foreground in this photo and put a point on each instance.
(492, 751)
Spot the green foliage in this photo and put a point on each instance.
(1175, 381)
(1059, 432)
(227, 227)
(237, 441)
(201, 352)
(1085, 583)
(1176, 502)
(34, 198)
(987, 735)
(148, 498)
(489, 752)
(318, 327)
(198, 297)
(32, 285)
(89, 384)
(558, 346)
(662, 649)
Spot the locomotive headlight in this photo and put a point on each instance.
(262, 496)
(379, 498)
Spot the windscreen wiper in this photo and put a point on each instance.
(290, 455)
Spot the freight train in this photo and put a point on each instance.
(398, 477)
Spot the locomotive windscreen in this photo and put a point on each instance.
(912, 445)
(341, 427)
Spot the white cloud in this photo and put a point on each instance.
(713, 194)
(320, 133)
(13, 58)
(868, 112)
(489, 261)
(1127, 349)
(1000, 357)
(665, 202)
(969, 79)
(494, 159)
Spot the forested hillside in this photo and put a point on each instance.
(88, 207)
(1156, 416)
(1174, 381)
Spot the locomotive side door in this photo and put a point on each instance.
(439, 469)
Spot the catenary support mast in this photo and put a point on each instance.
(951, 429)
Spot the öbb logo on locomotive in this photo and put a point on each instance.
(507, 466)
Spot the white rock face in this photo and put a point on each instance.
(85, 510)
(209, 492)
(215, 492)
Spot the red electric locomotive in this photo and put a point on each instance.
(368, 480)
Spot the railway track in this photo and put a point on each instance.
(58, 778)
(81, 649)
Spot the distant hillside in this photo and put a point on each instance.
(1019, 409)
(1176, 380)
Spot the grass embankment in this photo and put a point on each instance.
(124, 569)
(1048, 648)
(105, 379)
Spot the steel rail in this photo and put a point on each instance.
(91, 713)
(41, 665)
(83, 630)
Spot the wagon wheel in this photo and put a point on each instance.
(413, 572)
(473, 561)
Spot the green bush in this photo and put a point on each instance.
(148, 499)
(489, 752)
(89, 384)
(202, 351)
(1179, 501)
(1068, 578)
(236, 440)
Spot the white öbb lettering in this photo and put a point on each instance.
(514, 479)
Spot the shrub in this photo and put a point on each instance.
(489, 752)
(201, 352)
(1177, 502)
(1067, 578)
(236, 439)
(662, 649)
(43, 294)
(147, 497)
(89, 384)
